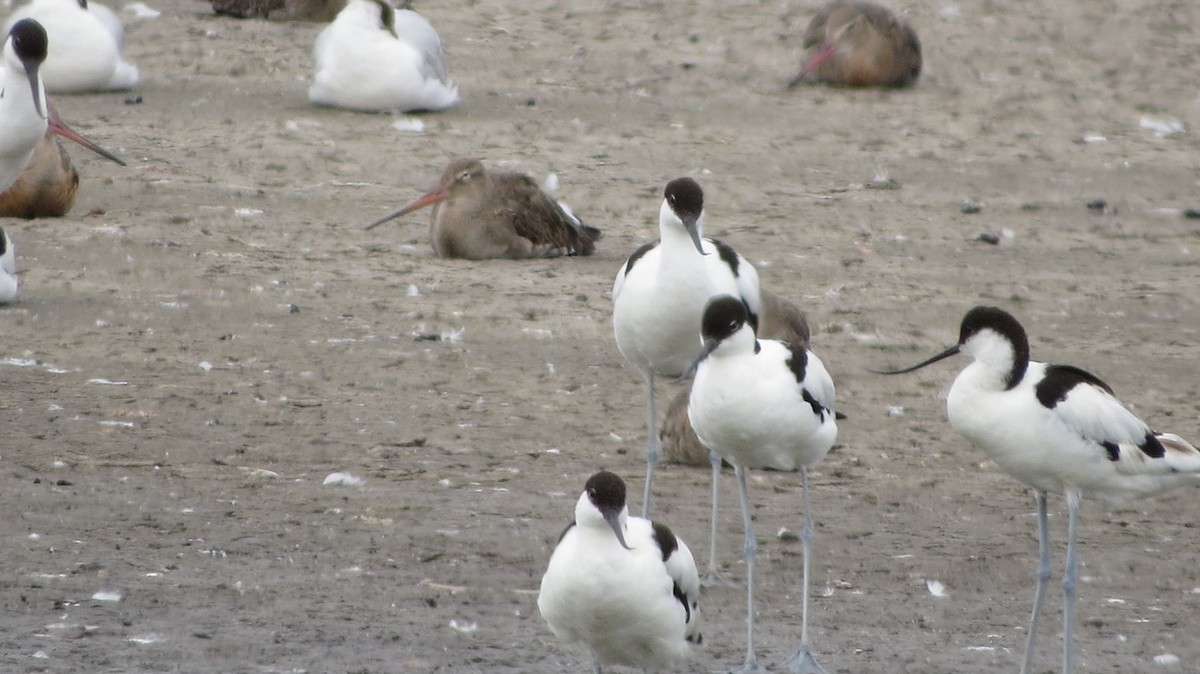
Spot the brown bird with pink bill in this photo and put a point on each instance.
(860, 44)
(480, 214)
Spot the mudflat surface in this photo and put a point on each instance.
(210, 334)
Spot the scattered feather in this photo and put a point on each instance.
(106, 596)
(141, 10)
(1161, 127)
(343, 479)
(464, 627)
(936, 588)
(1167, 660)
(408, 124)
(107, 382)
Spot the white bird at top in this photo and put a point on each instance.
(87, 44)
(378, 59)
(660, 293)
(1058, 429)
(761, 403)
(625, 587)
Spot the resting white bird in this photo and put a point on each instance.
(377, 59)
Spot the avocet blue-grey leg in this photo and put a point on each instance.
(1069, 580)
(652, 447)
(1043, 576)
(750, 548)
(713, 576)
(804, 662)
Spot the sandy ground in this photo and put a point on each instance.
(211, 333)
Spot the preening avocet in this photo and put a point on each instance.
(480, 214)
(10, 285)
(378, 59)
(623, 586)
(660, 293)
(860, 44)
(762, 404)
(1058, 429)
(87, 43)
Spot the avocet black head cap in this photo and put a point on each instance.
(994, 318)
(724, 316)
(30, 44)
(686, 200)
(606, 492)
(974, 323)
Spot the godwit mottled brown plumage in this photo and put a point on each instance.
(860, 44)
(480, 214)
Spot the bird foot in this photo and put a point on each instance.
(714, 578)
(804, 662)
(751, 667)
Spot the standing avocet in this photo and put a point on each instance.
(660, 293)
(625, 587)
(378, 59)
(1058, 429)
(762, 404)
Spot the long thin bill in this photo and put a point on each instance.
(31, 70)
(614, 520)
(820, 57)
(433, 196)
(692, 225)
(709, 345)
(60, 127)
(941, 356)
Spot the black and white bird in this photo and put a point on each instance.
(762, 404)
(1058, 429)
(660, 293)
(10, 285)
(625, 587)
(23, 103)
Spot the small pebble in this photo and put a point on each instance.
(970, 207)
(1100, 206)
(1192, 214)
(135, 100)
(988, 237)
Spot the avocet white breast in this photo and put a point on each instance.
(625, 587)
(9, 284)
(1058, 429)
(46, 187)
(377, 59)
(87, 43)
(660, 293)
(23, 103)
(762, 404)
